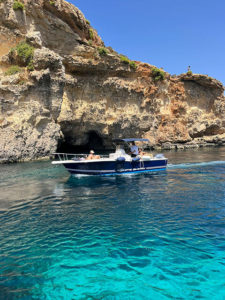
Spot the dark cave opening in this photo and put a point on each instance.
(64, 146)
(93, 141)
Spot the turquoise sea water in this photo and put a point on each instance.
(146, 236)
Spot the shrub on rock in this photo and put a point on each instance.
(127, 61)
(91, 34)
(157, 74)
(22, 54)
(124, 59)
(18, 5)
(102, 51)
(13, 70)
(189, 73)
(133, 65)
(25, 52)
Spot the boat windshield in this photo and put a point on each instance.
(120, 149)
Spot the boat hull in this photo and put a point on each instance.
(114, 167)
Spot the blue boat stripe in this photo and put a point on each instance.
(141, 171)
(114, 171)
(90, 171)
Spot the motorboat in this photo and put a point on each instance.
(115, 163)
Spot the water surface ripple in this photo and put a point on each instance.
(148, 236)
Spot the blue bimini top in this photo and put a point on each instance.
(130, 140)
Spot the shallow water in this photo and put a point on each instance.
(146, 236)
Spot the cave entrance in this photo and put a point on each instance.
(66, 146)
(93, 141)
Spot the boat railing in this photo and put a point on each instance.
(72, 156)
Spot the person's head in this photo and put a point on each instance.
(133, 143)
(92, 152)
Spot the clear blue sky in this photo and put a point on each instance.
(168, 33)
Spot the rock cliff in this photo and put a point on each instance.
(60, 87)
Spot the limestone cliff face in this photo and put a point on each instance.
(79, 93)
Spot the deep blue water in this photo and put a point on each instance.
(146, 236)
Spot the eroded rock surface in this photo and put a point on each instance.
(73, 90)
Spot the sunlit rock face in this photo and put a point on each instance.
(77, 95)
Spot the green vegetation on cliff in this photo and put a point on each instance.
(102, 51)
(133, 65)
(127, 61)
(13, 70)
(30, 66)
(18, 5)
(91, 34)
(25, 51)
(157, 74)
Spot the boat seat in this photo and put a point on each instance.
(160, 155)
(146, 158)
(76, 159)
(136, 158)
(121, 158)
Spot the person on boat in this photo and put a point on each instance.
(141, 152)
(134, 150)
(92, 156)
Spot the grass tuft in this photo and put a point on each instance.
(12, 70)
(157, 74)
(133, 65)
(127, 61)
(124, 59)
(30, 66)
(102, 51)
(91, 34)
(18, 5)
(25, 51)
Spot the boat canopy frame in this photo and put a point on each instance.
(130, 140)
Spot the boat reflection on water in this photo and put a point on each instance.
(93, 180)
